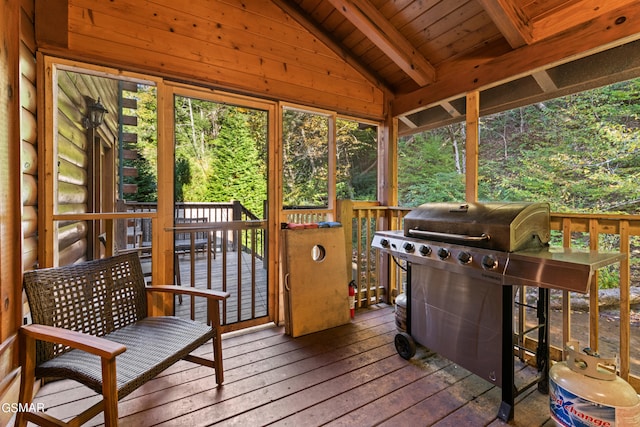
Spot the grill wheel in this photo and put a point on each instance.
(405, 345)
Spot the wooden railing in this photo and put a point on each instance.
(380, 280)
(219, 246)
(138, 232)
(223, 264)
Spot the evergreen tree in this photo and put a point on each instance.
(237, 171)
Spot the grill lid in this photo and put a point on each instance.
(499, 226)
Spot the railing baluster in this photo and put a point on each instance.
(224, 273)
(253, 272)
(238, 239)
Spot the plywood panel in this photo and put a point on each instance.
(316, 292)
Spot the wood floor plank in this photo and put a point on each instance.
(362, 394)
(274, 411)
(480, 410)
(312, 371)
(435, 407)
(313, 355)
(404, 398)
(346, 376)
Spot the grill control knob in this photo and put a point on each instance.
(384, 243)
(489, 262)
(425, 250)
(408, 247)
(464, 257)
(443, 253)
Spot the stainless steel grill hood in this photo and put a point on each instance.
(499, 226)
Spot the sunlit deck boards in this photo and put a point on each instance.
(346, 376)
(226, 274)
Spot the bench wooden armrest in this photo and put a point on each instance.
(207, 293)
(85, 342)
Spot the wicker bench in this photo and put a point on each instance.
(90, 324)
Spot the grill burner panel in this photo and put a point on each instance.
(475, 262)
(557, 268)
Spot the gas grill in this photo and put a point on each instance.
(465, 265)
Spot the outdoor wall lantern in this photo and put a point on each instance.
(96, 115)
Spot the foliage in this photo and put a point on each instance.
(238, 173)
(305, 163)
(580, 153)
(220, 153)
(357, 160)
(431, 169)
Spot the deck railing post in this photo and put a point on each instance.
(345, 217)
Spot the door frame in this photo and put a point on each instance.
(166, 169)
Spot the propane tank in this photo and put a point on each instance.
(401, 312)
(585, 391)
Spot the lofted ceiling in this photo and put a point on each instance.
(427, 54)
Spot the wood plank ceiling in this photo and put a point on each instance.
(429, 53)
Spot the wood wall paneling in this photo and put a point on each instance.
(229, 46)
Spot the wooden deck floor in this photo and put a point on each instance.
(346, 376)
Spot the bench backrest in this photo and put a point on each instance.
(95, 297)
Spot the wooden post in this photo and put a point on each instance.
(566, 296)
(594, 307)
(345, 217)
(236, 210)
(162, 255)
(472, 141)
(625, 304)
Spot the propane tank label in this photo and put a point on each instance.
(569, 410)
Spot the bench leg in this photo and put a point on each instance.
(214, 318)
(217, 362)
(27, 350)
(109, 392)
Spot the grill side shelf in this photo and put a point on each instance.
(563, 269)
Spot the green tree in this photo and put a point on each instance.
(357, 160)
(430, 167)
(237, 170)
(305, 155)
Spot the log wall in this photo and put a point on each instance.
(76, 92)
(17, 100)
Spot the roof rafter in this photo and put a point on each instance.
(613, 28)
(387, 38)
(510, 20)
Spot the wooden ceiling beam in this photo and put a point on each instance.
(545, 81)
(510, 20)
(519, 29)
(572, 14)
(407, 121)
(612, 29)
(387, 38)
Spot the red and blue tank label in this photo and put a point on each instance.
(573, 411)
